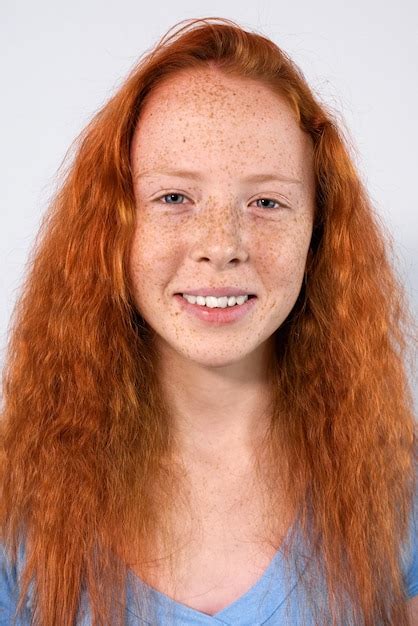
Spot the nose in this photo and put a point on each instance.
(219, 237)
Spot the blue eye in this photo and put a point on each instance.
(279, 204)
(180, 195)
(170, 195)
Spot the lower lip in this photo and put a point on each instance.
(217, 316)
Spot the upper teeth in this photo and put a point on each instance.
(212, 302)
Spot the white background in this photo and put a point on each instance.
(60, 61)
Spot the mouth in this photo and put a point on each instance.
(217, 315)
(250, 295)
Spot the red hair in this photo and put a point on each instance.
(85, 437)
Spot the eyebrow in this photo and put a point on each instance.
(194, 175)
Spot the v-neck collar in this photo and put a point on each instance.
(252, 608)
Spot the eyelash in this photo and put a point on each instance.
(174, 193)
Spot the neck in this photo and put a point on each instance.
(217, 412)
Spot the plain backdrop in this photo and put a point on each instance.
(61, 61)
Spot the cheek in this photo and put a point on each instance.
(291, 262)
(280, 264)
(153, 256)
(282, 251)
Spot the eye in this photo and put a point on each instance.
(267, 200)
(174, 195)
(170, 195)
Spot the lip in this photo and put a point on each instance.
(216, 316)
(218, 292)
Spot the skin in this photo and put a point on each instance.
(217, 233)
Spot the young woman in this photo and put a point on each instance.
(207, 417)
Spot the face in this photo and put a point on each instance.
(236, 214)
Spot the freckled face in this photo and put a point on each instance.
(219, 230)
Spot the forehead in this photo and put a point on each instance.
(222, 121)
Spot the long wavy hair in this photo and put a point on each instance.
(87, 466)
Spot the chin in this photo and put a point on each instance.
(212, 358)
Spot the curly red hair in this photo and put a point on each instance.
(84, 431)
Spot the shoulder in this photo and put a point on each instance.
(9, 587)
(410, 553)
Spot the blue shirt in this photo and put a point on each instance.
(272, 601)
